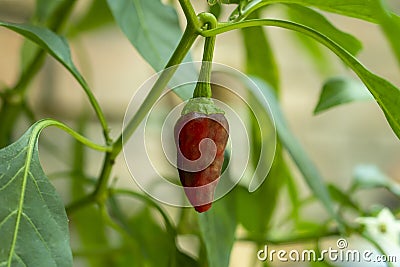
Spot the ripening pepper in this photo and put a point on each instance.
(201, 134)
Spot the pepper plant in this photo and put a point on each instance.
(35, 223)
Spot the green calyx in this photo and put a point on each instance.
(201, 105)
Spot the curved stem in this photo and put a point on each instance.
(50, 122)
(340, 52)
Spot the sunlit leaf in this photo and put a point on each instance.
(33, 222)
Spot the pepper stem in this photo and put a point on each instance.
(203, 86)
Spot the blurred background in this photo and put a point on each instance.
(337, 140)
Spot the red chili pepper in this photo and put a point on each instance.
(201, 134)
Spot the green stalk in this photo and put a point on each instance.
(203, 86)
(190, 14)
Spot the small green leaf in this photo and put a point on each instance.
(310, 18)
(337, 91)
(151, 27)
(33, 222)
(217, 227)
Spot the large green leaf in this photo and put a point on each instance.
(310, 18)
(217, 227)
(151, 27)
(362, 9)
(337, 91)
(33, 222)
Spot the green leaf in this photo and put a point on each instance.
(33, 222)
(315, 20)
(97, 15)
(260, 59)
(146, 230)
(151, 27)
(57, 46)
(44, 9)
(217, 227)
(338, 91)
(303, 162)
(264, 200)
(368, 176)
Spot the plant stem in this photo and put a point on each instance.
(190, 14)
(203, 86)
